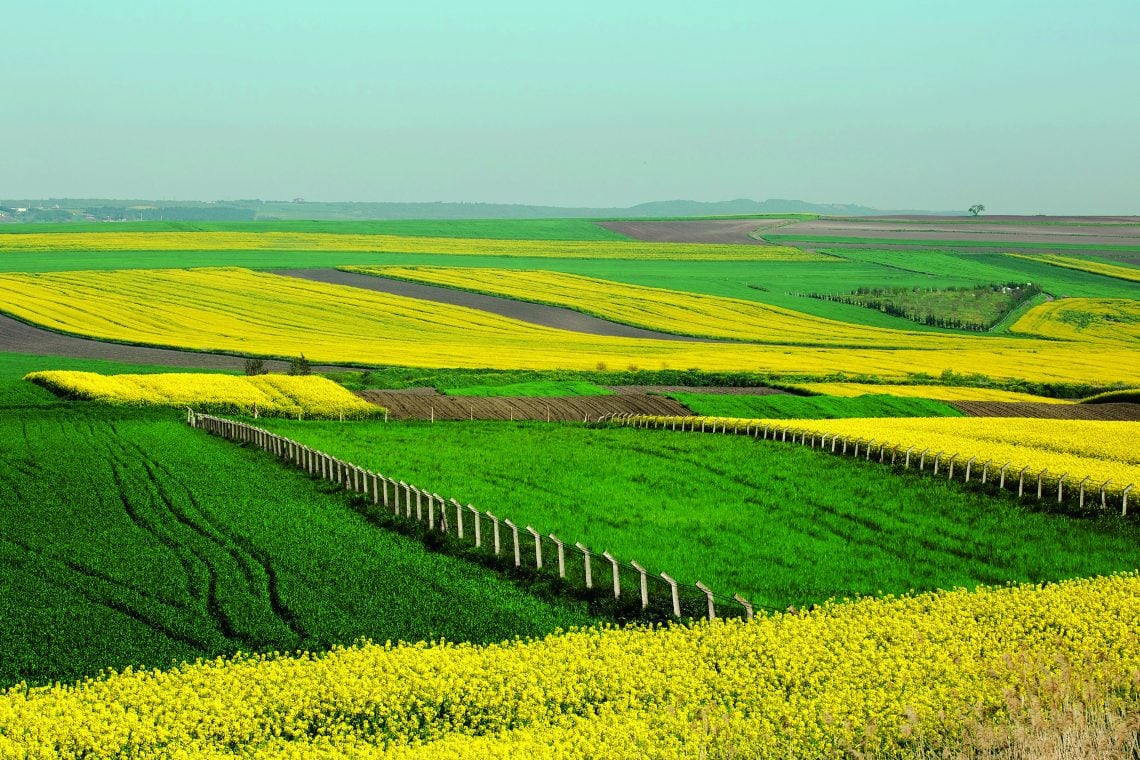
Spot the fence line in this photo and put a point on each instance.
(524, 547)
(964, 463)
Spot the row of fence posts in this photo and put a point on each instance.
(658, 595)
(838, 444)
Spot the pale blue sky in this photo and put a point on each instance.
(1028, 107)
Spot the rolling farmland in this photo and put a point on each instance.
(136, 543)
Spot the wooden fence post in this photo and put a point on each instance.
(561, 555)
(1021, 481)
(495, 527)
(937, 457)
(969, 466)
(1104, 494)
(616, 574)
(1003, 469)
(985, 470)
(515, 536)
(951, 475)
(673, 592)
(922, 459)
(869, 443)
(1061, 486)
(458, 518)
(419, 504)
(709, 597)
(431, 512)
(906, 465)
(747, 605)
(478, 532)
(586, 556)
(537, 547)
(644, 584)
(1124, 501)
(1041, 482)
(1086, 480)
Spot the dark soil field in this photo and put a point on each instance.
(697, 231)
(633, 390)
(1123, 412)
(424, 406)
(1122, 231)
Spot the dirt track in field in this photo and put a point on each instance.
(422, 406)
(1120, 231)
(696, 231)
(1122, 412)
(534, 313)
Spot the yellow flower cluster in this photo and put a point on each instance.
(240, 311)
(270, 395)
(1099, 320)
(334, 242)
(1118, 271)
(880, 677)
(936, 392)
(1103, 450)
(677, 311)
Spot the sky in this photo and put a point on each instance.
(1027, 107)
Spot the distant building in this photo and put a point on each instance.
(298, 200)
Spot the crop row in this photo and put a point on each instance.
(239, 311)
(672, 311)
(334, 242)
(1096, 456)
(309, 396)
(876, 677)
(1118, 271)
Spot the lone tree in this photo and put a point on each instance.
(977, 208)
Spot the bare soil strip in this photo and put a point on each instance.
(1112, 412)
(524, 311)
(635, 390)
(21, 338)
(419, 406)
(733, 231)
(1085, 232)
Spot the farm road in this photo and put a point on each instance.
(21, 338)
(534, 313)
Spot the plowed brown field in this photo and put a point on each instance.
(421, 406)
(1123, 412)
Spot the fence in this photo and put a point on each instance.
(1041, 484)
(627, 589)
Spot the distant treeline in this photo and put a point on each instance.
(901, 302)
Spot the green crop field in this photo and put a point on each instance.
(780, 524)
(811, 407)
(127, 538)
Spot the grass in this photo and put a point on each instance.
(551, 389)
(129, 539)
(812, 407)
(498, 229)
(780, 524)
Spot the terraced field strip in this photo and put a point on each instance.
(464, 524)
(240, 311)
(423, 406)
(675, 311)
(1111, 412)
(1120, 272)
(333, 243)
(1095, 457)
(936, 392)
(1092, 320)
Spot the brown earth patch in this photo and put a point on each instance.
(22, 338)
(991, 230)
(420, 406)
(1111, 412)
(735, 231)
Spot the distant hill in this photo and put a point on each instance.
(96, 209)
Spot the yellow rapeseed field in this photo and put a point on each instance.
(1102, 450)
(877, 677)
(675, 311)
(269, 395)
(1094, 320)
(936, 392)
(240, 311)
(323, 241)
(1119, 271)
